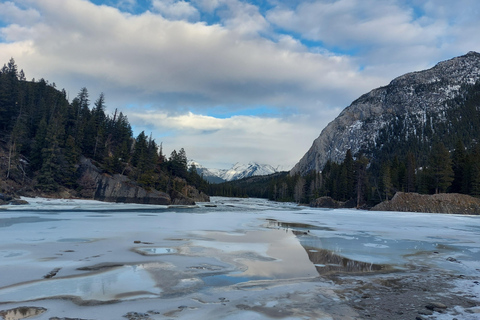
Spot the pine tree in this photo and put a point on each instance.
(459, 166)
(440, 168)
(411, 177)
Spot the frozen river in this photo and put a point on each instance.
(232, 259)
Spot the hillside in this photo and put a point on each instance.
(420, 134)
(52, 147)
(412, 112)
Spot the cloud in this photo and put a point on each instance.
(307, 60)
(176, 10)
(275, 141)
(11, 13)
(388, 37)
(176, 64)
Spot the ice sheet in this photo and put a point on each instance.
(241, 258)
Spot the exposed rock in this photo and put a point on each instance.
(179, 198)
(21, 312)
(119, 188)
(411, 97)
(437, 203)
(328, 202)
(18, 202)
(435, 305)
(195, 195)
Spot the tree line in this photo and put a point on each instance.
(45, 135)
(443, 157)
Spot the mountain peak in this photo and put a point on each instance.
(411, 96)
(236, 172)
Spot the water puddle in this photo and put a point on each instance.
(7, 222)
(21, 313)
(327, 262)
(74, 240)
(13, 253)
(324, 259)
(121, 283)
(222, 280)
(295, 226)
(155, 251)
(270, 254)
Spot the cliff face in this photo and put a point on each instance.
(437, 203)
(118, 188)
(413, 98)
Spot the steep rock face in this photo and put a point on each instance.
(412, 97)
(437, 203)
(118, 188)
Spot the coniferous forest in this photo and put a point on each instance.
(43, 136)
(445, 159)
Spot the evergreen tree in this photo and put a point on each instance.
(411, 177)
(440, 168)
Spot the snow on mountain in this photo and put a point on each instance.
(240, 171)
(236, 172)
(412, 101)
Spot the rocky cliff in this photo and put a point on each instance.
(412, 101)
(118, 188)
(437, 203)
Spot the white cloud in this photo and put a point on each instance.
(388, 37)
(222, 142)
(10, 12)
(149, 59)
(164, 60)
(176, 10)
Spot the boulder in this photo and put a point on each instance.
(328, 202)
(436, 203)
(118, 188)
(115, 188)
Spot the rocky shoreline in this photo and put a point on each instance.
(97, 185)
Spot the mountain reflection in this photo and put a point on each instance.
(327, 261)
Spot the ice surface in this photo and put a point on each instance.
(242, 258)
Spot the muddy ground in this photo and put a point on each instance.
(420, 293)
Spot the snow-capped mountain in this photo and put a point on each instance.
(236, 172)
(414, 108)
(240, 171)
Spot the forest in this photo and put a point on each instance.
(43, 136)
(446, 158)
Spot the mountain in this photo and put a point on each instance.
(408, 114)
(210, 175)
(236, 172)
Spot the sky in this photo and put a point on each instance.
(230, 80)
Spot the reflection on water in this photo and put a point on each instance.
(295, 226)
(221, 280)
(21, 313)
(327, 261)
(7, 222)
(154, 251)
(126, 282)
(266, 254)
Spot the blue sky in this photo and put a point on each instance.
(231, 80)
